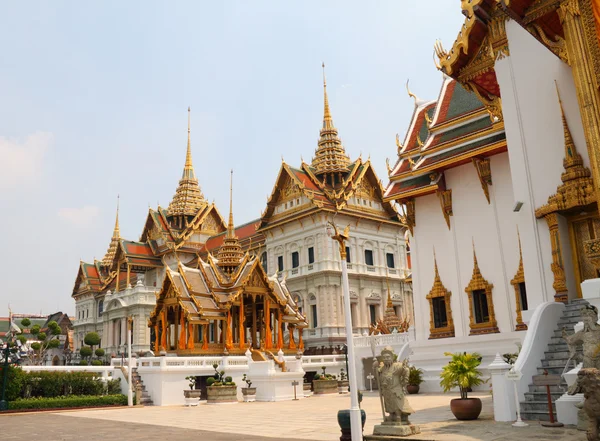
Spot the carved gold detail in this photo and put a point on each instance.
(446, 204)
(410, 219)
(210, 225)
(107, 261)
(439, 290)
(492, 104)
(557, 265)
(498, 42)
(592, 252)
(484, 172)
(230, 254)
(482, 62)
(479, 283)
(515, 282)
(558, 46)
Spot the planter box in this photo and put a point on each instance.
(249, 394)
(192, 397)
(321, 387)
(307, 388)
(222, 394)
(342, 386)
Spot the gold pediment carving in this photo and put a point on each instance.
(211, 224)
(290, 190)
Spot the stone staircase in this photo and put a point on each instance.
(535, 406)
(136, 378)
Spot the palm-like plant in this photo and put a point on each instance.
(461, 372)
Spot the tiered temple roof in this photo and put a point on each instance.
(443, 134)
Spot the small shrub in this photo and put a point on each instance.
(228, 379)
(72, 401)
(99, 352)
(85, 351)
(317, 377)
(15, 381)
(210, 381)
(415, 376)
(83, 363)
(96, 363)
(113, 387)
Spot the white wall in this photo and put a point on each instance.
(536, 144)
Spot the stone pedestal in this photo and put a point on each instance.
(395, 429)
(504, 396)
(272, 384)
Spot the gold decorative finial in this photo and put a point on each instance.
(188, 197)
(412, 95)
(570, 150)
(399, 145)
(435, 266)
(114, 241)
(230, 227)
(330, 156)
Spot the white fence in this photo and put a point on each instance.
(383, 340)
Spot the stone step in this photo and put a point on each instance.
(537, 415)
(528, 406)
(558, 332)
(542, 396)
(557, 355)
(575, 312)
(553, 389)
(562, 347)
(567, 321)
(554, 363)
(551, 370)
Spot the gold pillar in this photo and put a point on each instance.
(292, 343)
(580, 59)
(229, 330)
(163, 336)
(156, 337)
(242, 329)
(267, 316)
(280, 329)
(181, 329)
(300, 341)
(254, 345)
(190, 340)
(205, 337)
(557, 266)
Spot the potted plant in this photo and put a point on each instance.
(324, 383)
(415, 378)
(342, 382)
(192, 396)
(221, 389)
(248, 392)
(461, 371)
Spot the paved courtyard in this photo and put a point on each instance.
(308, 419)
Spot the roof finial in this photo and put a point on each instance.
(418, 101)
(570, 149)
(117, 232)
(114, 241)
(230, 227)
(327, 120)
(188, 154)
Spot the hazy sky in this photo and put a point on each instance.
(94, 99)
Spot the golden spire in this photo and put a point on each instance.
(390, 319)
(114, 242)
(188, 197)
(230, 254)
(573, 163)
(330, 156)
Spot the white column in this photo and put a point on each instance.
(123, 331)
(504, 397)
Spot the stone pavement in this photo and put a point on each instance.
(314, 418)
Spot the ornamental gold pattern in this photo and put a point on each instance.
(114, 243)
(479, 283)
(188, 199)
(230, 254)
(330, 156)
(439, 290)
(446, 204)
(515, 282)
(484, 173)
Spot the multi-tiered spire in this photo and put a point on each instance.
(114, 242)
(188, 197)
(330, 156)
(230, 254)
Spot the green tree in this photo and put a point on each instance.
(92, 339)
(45, 341)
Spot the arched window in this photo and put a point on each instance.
(100, 307)
(313, 311)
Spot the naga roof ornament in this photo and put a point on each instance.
(188, 197)
(330, 156)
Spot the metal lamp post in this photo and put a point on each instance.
(355, 415)
(129, 367)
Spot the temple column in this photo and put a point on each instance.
(181, 329)
(267, 316)
(581, 60)
(280, 329)
(300, 341)
(292, 343)
(163, 336)
(156, 337)
(242, 329)
(229, 331)
(123, 331)
(190, 336)
(205, 337)
(558, 270)
(254, 345)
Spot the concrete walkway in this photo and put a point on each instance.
(314, 418)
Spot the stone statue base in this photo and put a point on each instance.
(395, 429)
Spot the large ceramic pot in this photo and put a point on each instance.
(413, 388)
(467, 409)
(321, 387)
(221, 394)
(343, 417)
(342, 386)
(192, 396)
(249, 394)
(307, 389)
